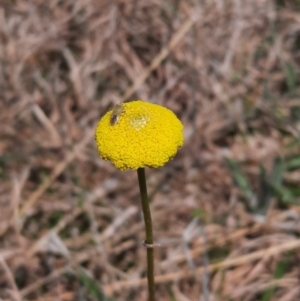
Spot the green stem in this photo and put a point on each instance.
(149, 234)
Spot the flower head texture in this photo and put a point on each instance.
(139, 134)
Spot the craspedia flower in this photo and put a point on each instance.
(141, 135)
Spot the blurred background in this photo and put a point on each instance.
(226, 209)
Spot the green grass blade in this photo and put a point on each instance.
(280, 270)
(293, 163)
(91, 286)
(242, 183)
(290, 77)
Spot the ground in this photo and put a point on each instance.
(226, 209)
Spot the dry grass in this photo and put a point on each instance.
(70, 223)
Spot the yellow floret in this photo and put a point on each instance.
(145, 134)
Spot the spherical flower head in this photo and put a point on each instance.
(139, 134)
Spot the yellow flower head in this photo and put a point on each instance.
(139, 134)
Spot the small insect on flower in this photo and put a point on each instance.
(116, 113)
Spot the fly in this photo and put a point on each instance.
(116, 113)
